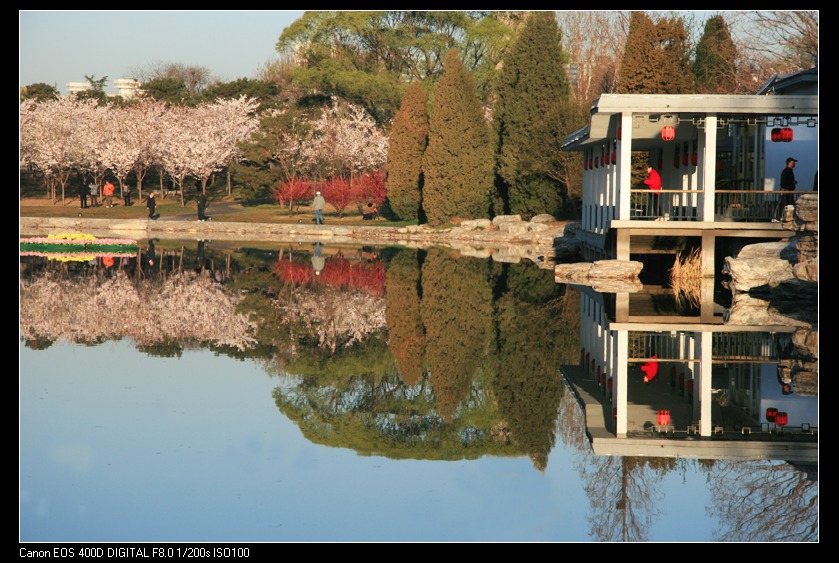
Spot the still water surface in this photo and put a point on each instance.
(399, 395)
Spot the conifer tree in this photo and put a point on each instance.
(408, 140)
(458, 163)
(674, 58)
(532, 87)
(715, 66)
(639, 74)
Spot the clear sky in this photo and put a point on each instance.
(61, 46)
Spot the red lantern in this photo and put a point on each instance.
(771, 413)
(776, 135)
(781, 419)
(786, 134)
(668, 133)
(663, 418)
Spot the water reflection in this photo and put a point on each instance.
(396, 354)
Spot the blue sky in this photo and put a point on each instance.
(61, 46)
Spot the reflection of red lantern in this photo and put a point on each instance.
(668, 133)
(771, 413)
(694, 158)
(663, 418)
(781, 419)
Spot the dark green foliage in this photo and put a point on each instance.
(458, 163)
(639, 70)
(533, 85)
(39, 92)
(266, 93)
(457, 315)
(715, 63)
(166, 90)
(676, 72)
(402, 314)
(656, 59)
(368, 56)
(408, 139)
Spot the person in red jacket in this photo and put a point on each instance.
(650, 369)
(653, 180)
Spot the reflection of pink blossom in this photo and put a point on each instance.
(77, 256)
(77, 242)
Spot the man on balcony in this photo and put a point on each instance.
(653, 182)
(788, 184)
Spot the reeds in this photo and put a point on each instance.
(686, 278)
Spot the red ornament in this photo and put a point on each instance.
(781, 419)
(668, 133)
(663, 418)
(771, 413)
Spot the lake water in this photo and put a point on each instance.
(228, 393)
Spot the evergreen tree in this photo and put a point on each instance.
(674, 58)
(408, 139)
(656, 59)
(639, 73)
(715, 66)
(403, 315)
(458, 163)
(532, 86)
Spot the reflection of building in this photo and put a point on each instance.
(709, 398)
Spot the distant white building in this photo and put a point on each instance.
(126, 87)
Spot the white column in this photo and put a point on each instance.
(704, 387)
(708, 161)
(621, 377)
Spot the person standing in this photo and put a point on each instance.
(94, 194)
(108, 193)
(788, 184)
(202, 205)
(151, 204)
(126, 194)
(318, 204)
(653, 182)
(84, 190)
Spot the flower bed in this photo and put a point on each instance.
(77, 246)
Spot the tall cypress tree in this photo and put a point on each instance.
(408, 140)
(532, 87)
(715, 65)
(458, 163)
(639, 72)
(674, 58)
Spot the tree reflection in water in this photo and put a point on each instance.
(402, 353)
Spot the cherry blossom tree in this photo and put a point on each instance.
(51, 138)
(344, 142)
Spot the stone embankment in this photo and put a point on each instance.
(506, 238)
